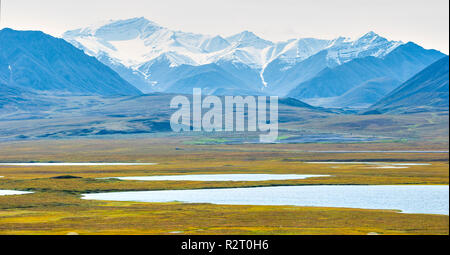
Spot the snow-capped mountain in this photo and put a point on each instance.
(141, 51)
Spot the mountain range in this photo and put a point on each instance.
(49, 82)
(136, 56)
(155, 58)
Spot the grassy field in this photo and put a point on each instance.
(56, 207)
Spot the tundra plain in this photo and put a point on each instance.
(56, 206)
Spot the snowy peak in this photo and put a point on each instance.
(117, 29)
(297, 50)
(343, 50)
(213, 44)
(136, 41)
(369, 35)
(372, 39)
(249, 39)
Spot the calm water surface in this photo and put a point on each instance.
(77, 164)
(221, 177)
(13, 192)
(406, 198)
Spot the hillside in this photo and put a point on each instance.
(427, 91)
(34, 61)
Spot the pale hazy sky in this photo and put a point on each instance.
(425, 22)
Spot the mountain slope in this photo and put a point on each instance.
(332, 82)
(427, 91)
(211, 78)
(364, 95)
(281, 81)
(409, 59)
(34, 61)
(10, 97)
(402, 63)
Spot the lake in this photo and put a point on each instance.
(13, 192)
(221, 177)
(369, 163)
(77, 164)
(405, 198)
